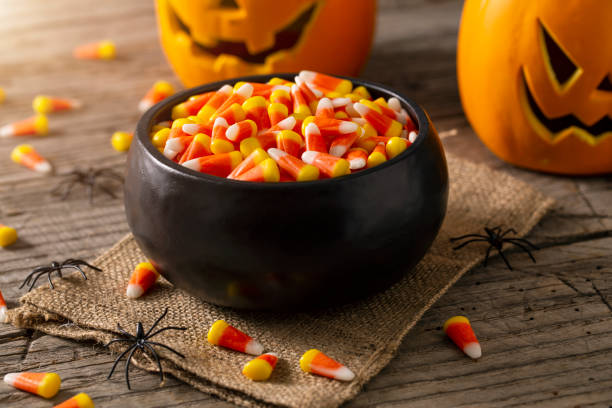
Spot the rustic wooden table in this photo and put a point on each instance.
(545, 328)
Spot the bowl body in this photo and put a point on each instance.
(278, 245)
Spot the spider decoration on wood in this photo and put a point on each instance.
(141, 341)
(55, 266)
(496, 239)
(91, 179)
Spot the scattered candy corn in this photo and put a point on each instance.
(224, 335)
(142, 279)
(36, 125)
(315, 362)
(260, 368)
(47, 104)
(317, 127)
(28, 157)
(100, 50)
(45, 385)
(158, 92)
(460, 331)
(80, 400)
(121, 141)
(2, 95)
(3, 308)
(8, 235)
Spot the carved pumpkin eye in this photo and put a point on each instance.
(229, 4)
(559, 62)
(605, 84)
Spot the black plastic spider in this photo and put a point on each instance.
(140, 342)
(55, 267)
(496, 239)
(91, 178)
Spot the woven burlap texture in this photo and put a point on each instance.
(363, 335)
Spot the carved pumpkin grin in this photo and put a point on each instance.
(285, 39)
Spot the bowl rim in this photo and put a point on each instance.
(146, 122)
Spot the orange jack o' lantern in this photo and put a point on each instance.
(209, 40)
(536, 81)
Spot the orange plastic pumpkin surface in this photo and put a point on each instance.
(209, 40)
(535, 78)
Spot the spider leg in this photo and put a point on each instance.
(504, 258)
(110, 174)
(127, 366)
(69, 189)
(75, 267)
(523, 241)
(119, 359)
(156, 323)
(469, 242)
(510, 230)
(90, 190)
(468, 236)
(161, 372)
(77, 262)
(524, 248)
(106, 190)
(115, 341)
(166, 347)
(165, 328)
(28, 278)
(49, 279)
(132, 337)
(487, 255)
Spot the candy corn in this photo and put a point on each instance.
(314, 139)
(121, 141)
(277, 112)
(412, 136)
(100, 50)
(8, 235)
(378, 155)
(460, 331)
(220, 165)
(384, 125)
(158, 92)
(3, 308)
(80, 400)
(256, 109)
(253, 159)
(290, 142)
(283, 97)
(47, 104)
(36, 125)
(357, 158)
(45, 385)
(206, 112)
(28, 157)
(330, 165)
(241, 130)
(260, 368)
(342, 143)
(224, 335)
(326, 82)
(300, 104)
(142, 279)
(266, 171)
(176, 146)
(315, 362)
(396, 146)
(199, 147)
(325, 108)
(299, 170)
(219, 141)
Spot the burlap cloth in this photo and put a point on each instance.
(363, 335)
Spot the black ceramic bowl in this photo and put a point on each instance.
(278, 245)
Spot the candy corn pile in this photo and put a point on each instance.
(316, 127)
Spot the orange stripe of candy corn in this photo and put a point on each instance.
(283, 97)
(387, 111)
(45, 385)
(220, 165)
(289, 141)
(357, 158)
(460, 331)
(310, 96)
(260, 368)
(46, 104)
(193, 105)
(80, 400)
(234, 113)
(219, 142)
(331, 127)
(266, 171)
(300, 104)
(28, 157)
(3, 308)
(340, 145)
(241, 130)
(99, 50)
(256, 109)
(327, 82)
(224, 335)
(383, 124)
(158, 92)
(237, 97)
(35, 125)
(378, 155)
(277, 112)
(330, 165)
(325, 109)
(315, 362)
(257, 156)
(299, 170)
(199, 147)
(209, 109)
(142, 279)
(314, 140)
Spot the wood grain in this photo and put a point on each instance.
(545, 328)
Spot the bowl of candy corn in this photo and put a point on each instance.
(272, 192)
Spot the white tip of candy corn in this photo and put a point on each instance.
(324, 103)
(412, 136)
(356, 164)
(226, 89)
(275, 153)
(347, 127)
(394, 104)
(144, 105)
(10, 378)
(3, 311)
(361, 108)
(307, 76)
(43, 167)
(309, 156)
(134, 291)
(337, 151)
(287, 123)
(254, 347)
(6, 131)
(359, 121)
(283, 87)
(245, 90)
(190, 128)
(338, 102)
(193, 164)
(473, 350)
(220, 122)
(344, 374)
